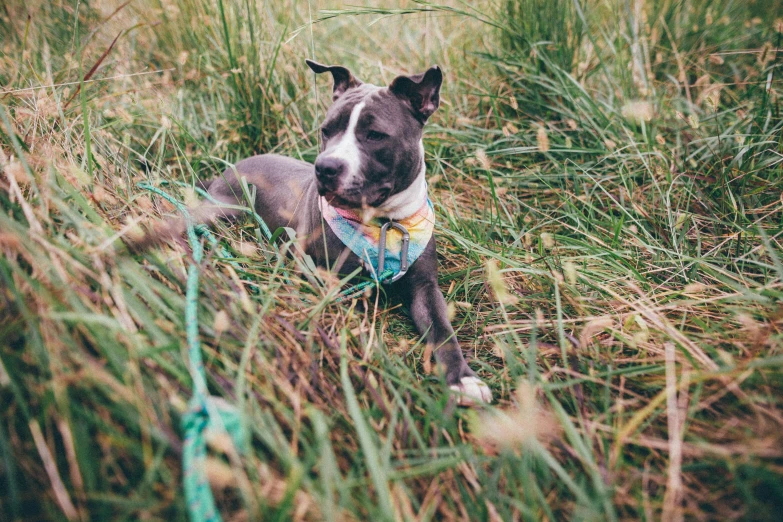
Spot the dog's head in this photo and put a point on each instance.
(371, 153)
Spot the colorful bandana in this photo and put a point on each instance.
(363, 238)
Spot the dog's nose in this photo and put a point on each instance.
(329, 168)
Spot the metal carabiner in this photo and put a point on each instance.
(406, 239)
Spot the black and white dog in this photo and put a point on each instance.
(372, 164)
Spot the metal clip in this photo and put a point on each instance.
(406, 239)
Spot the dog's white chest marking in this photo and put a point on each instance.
(347, 148)
(405, 203)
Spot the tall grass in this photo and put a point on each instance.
(605, 171)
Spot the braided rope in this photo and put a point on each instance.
(205, 413)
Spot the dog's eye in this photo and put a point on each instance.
(326, 133)
(375, 136)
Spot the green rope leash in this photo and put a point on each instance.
(357, 289)
(207, 413)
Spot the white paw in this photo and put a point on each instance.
(472, 391)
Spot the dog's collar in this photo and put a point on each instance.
(363, 236)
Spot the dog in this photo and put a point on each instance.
(370, 172)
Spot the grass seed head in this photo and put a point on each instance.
(637, 111)
(542, 140)
(16, 171)
(483, 159)
(518, 426)
(498, 284)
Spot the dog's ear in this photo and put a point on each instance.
(422, 91)
(343, 79)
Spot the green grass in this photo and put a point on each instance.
(610, 170)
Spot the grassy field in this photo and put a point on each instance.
(605, 170)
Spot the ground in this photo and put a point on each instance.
(603, 171)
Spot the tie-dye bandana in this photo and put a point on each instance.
(363, 238)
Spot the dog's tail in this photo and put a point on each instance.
(154, 235)
(172, 230)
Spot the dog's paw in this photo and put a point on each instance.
(472, 391)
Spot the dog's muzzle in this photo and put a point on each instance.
(329, 170)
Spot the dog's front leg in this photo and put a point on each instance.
(422, 296)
